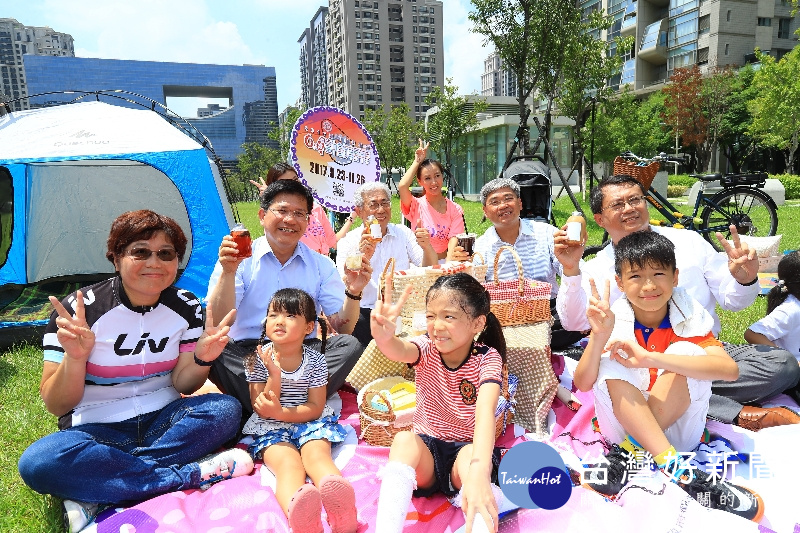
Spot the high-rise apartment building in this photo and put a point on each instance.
(384, 52)
(17, 40)
(669, 34)
(313, 63)
(495, 80)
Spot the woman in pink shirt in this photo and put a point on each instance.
(319, 235)
(443, 218)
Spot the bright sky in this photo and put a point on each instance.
(231, 32)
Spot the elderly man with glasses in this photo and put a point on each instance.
(405, 246)
(532, 240)
(728, 278)
(279, 260)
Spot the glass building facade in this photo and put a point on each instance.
(250, 90)
(482, 153)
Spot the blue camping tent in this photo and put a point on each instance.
(67, 172)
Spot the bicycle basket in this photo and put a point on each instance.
(642, 174)
(731, 180)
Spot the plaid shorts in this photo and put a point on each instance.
(326, 427)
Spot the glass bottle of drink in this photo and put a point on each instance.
(375, 229)
(576, 229)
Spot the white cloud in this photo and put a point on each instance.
(464, 51)
(152, 30)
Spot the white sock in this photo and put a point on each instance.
(398, 481)
(478, 523)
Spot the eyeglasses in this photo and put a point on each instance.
(633, 201)
(143, 254)
(374, 206)
(508, 198)
(285, 213)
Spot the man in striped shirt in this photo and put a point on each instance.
(532, 240)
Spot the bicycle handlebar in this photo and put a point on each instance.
(661, 157)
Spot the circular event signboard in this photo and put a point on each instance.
(333, 154)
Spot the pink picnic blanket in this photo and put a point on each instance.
(248, 504)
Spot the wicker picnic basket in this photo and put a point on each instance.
(642, 174)
(520, 301)
(379, 427)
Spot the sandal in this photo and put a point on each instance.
(305, 510)
(339, 499)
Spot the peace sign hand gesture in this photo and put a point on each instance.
(383, 317)
(74, 333)
(742, 261)
(260, 184)
(599, 314)
(214, 338)
(421, 152)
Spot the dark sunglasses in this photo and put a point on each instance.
(143, 254)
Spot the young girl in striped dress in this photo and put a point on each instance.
(458, 380)
(292, 426)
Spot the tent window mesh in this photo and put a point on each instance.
(6, 213)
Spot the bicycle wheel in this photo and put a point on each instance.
(752, 211)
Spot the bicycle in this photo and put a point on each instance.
(741, 202)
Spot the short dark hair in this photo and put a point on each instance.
(641, 248)
(277, 170)
(596, 198)
(286, 187)
(141, 225)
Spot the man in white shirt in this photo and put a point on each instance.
(405, 246)
(532, 240)
(729, 279)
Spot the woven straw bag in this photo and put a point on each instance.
(418, 278)
(521, 301)
(642, 174)
(479, 270)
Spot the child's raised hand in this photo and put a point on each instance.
(383, 317)
(268, 405)
(74, 333)
(272, 360)
(629, 354)
(599, 314)
(421, 152)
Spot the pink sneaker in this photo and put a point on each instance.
(305, 510)
(339, 499)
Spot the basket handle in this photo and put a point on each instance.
(478, 254)
(517, 260)
(381, 284)
(365, 403)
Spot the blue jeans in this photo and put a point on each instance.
(133, 460)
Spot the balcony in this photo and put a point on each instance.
(629, 20)
(654, 43)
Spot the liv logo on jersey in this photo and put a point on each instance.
(533, 476)
(154, 347)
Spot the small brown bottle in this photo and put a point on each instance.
(576, 229)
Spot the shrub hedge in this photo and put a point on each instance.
(791, 183)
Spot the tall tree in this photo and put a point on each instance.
(736, 141)
(696, 106)
(394, 135)
(625, 123)
(776, 105)
(253, 162)
(456, 116)
(531, 37)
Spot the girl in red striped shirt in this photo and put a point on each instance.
(458, 384)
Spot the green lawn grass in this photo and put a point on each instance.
(24, 418)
